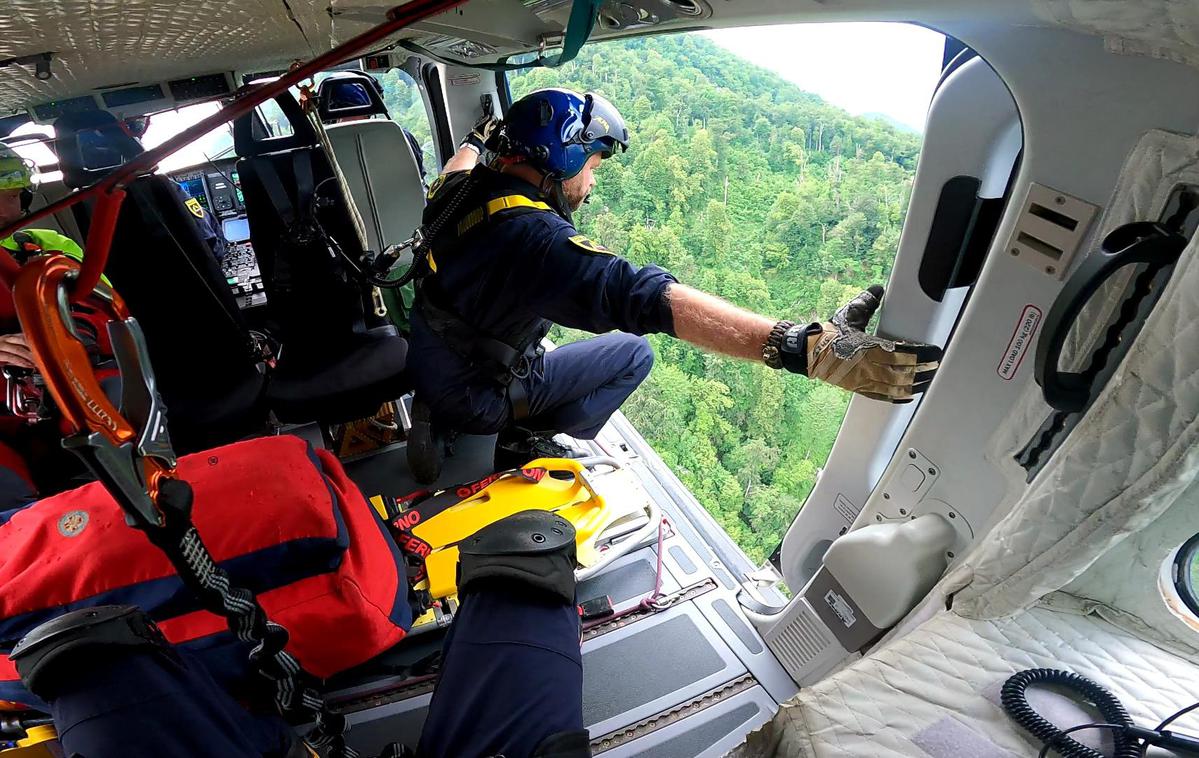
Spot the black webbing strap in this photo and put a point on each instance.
(473, 344)
(518, 398)
(296, 695)
(275, 191)
(301, 165)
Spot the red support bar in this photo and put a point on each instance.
(93, 261)
(99, 240)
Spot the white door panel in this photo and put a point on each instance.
(972, 129)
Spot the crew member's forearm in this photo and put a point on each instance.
(464, 160)
(711, 323)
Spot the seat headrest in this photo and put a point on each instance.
(349, 94)
(90, 144)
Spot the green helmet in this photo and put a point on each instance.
(15, 171)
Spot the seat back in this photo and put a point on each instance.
(314, 302)
(382, 173)
(199, 344)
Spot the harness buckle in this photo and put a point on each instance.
(129, 451)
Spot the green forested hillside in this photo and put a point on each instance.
(744, 186)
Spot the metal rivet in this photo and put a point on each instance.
(886, 496)
(1050, 270)
(950, 553)
(1059, 200)
(538, 537)
(932, 471)
(952, 515)
(912, 454)
(212, 460)
(878, 517)
(903, 511)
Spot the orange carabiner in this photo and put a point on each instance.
(41, 294)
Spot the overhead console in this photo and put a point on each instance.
(137, 98)
(217, 188)
(491, 33)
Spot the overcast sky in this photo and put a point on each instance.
(863, 68)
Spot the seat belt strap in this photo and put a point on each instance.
(518, 398)
(301, 165)
(275, 191)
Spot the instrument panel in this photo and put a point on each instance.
(217, 188)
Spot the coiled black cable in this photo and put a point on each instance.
(1014, 699)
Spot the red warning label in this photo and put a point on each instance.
(1022, 337)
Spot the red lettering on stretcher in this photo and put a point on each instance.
(407, 520)
(414, 545)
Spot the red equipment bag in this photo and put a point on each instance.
(284, 520)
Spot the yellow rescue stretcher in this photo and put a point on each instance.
(610, 511)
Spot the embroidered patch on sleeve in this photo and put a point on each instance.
(194, 206)
(589, 245)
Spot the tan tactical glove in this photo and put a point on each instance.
(479, 135)
(841, 353)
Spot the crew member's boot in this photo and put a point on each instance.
(514, 447)
(426, 444)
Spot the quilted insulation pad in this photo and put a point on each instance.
(1130, 457)
(935, 692)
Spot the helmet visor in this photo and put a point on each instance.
(604, 129)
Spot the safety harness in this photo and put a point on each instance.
(503, 357)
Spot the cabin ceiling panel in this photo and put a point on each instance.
(100, 43)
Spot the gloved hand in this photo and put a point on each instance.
(841, 353)
(479, 135)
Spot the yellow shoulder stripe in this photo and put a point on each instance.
(590, 245)
(514, 201)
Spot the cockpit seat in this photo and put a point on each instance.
(199, 344)
(345, 384)
(339, 360)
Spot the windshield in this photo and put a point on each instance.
(32, 141)
(217, 143)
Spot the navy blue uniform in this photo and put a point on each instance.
(511, 676)
(522, 265)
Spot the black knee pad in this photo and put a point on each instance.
(46, 656)
(565, 745)
(530, 549)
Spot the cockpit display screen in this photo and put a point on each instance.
(236, 229)
(193, 186)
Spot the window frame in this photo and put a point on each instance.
(1183, 577)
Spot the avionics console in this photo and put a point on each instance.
(218, 190)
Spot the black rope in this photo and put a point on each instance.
(296, 695)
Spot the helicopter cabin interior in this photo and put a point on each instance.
(1035, 508)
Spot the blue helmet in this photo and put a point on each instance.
(557, 130)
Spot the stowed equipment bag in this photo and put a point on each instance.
(282, 519)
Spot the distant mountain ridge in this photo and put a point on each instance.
(901, 126)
